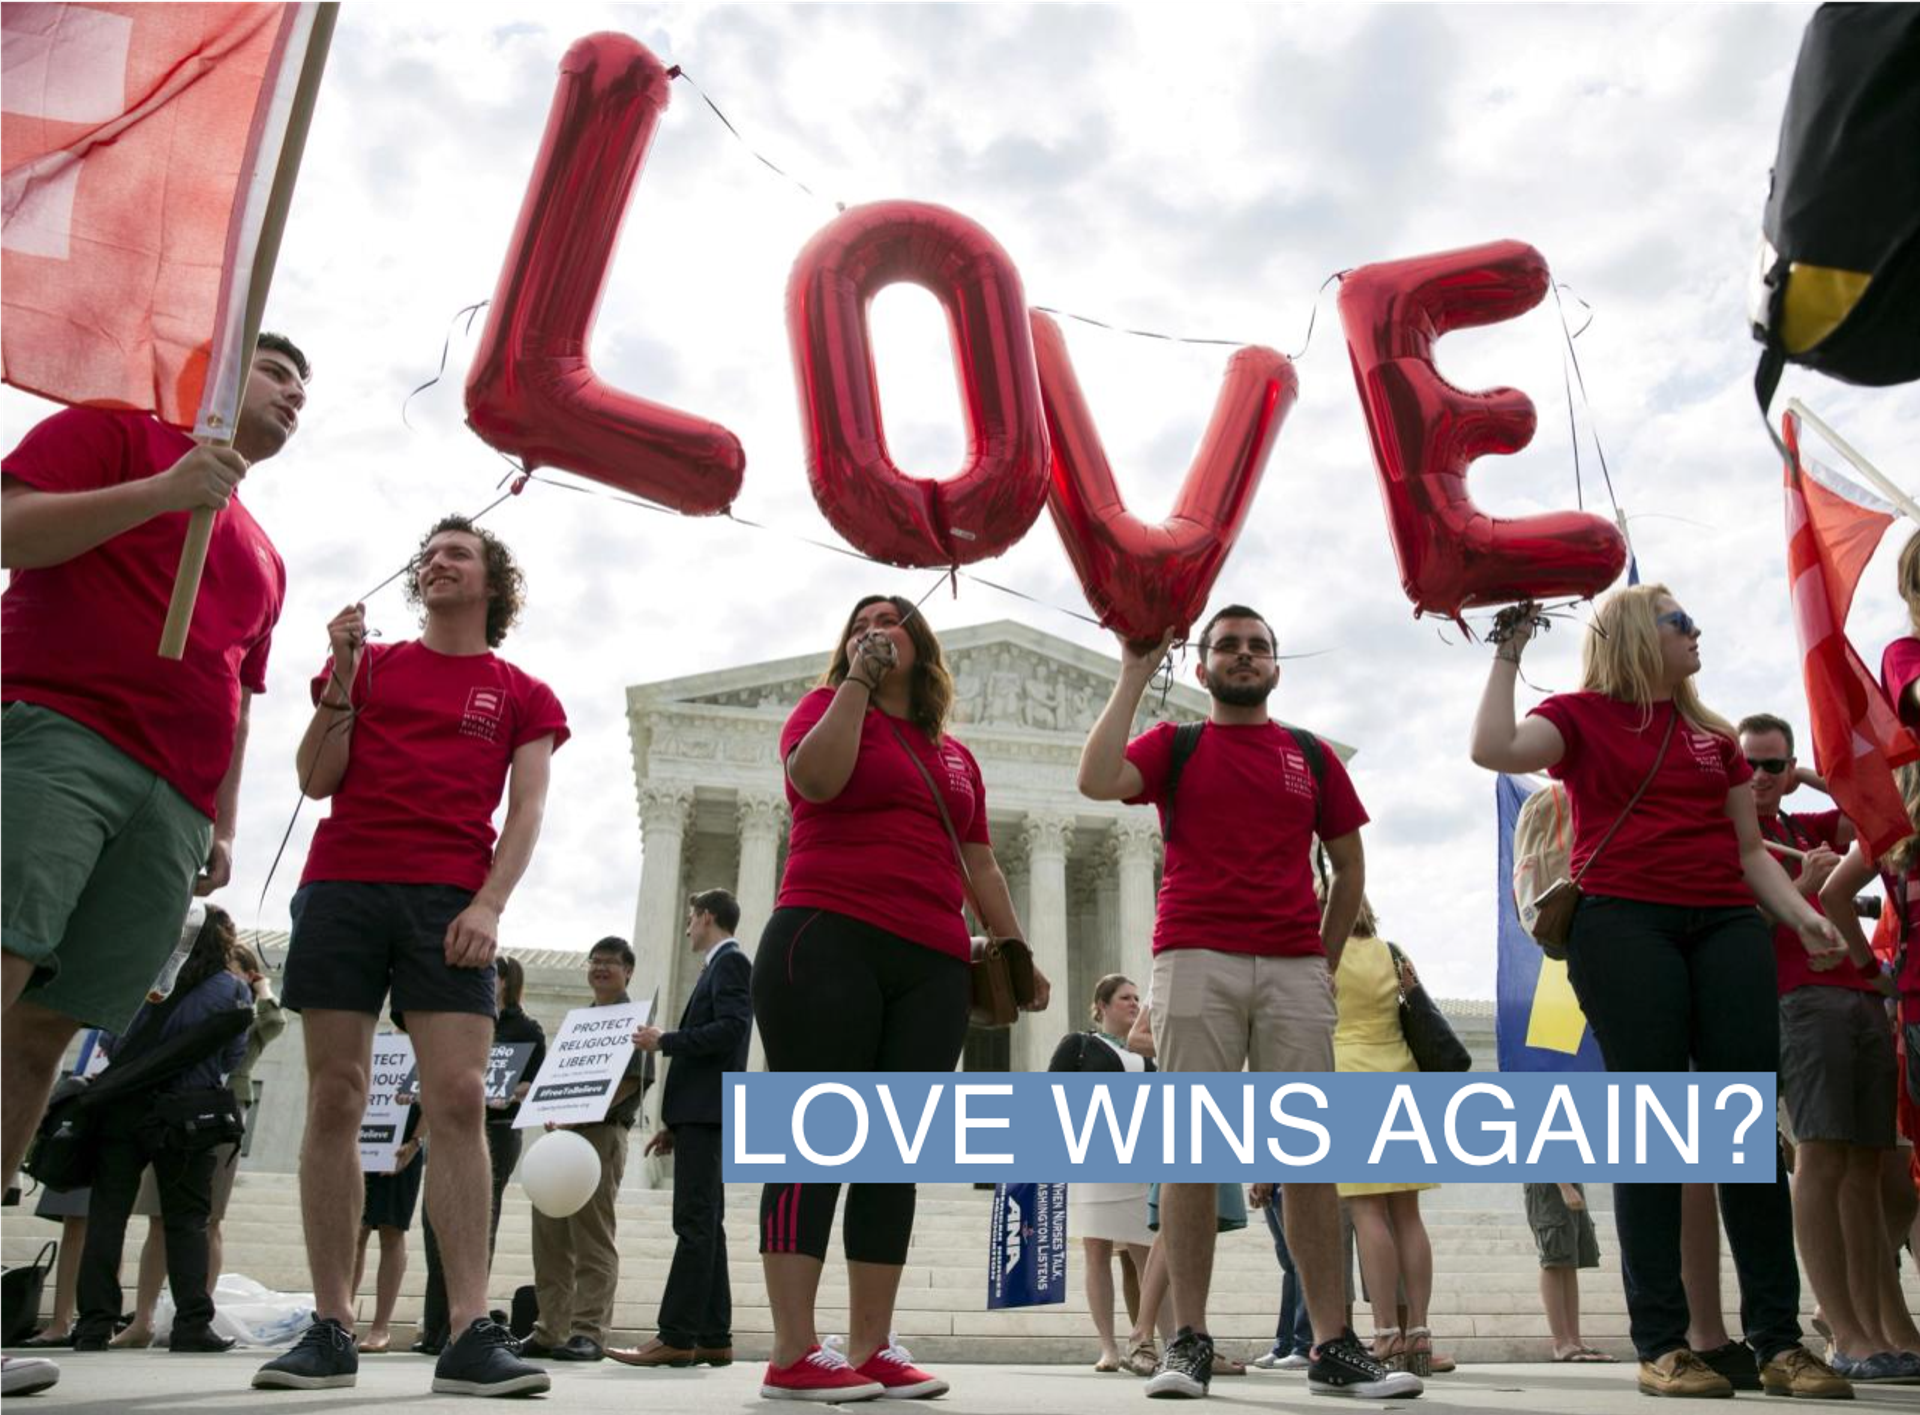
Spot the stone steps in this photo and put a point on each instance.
(1485, 1305)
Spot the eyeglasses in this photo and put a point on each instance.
(1772, 766)
(1680, 620)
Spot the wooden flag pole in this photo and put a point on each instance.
(1861, 465)
(193, 554)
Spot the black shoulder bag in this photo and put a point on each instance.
(1430, 1037)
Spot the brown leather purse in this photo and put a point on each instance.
(1001, 974)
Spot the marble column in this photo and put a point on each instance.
(666, 813)
(1046, 837)
(1133, 845)
(1106, 919)
(761, 819)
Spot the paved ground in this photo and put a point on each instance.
(149, 1383)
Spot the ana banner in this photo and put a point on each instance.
(1027, 1250)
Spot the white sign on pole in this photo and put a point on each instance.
(583, 1066)
(385, 1117)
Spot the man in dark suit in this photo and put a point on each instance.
(696, 1311)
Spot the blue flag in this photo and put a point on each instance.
(1536, 1022)
(1027, 1252)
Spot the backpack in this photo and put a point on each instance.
(1838, 284)
(1186, 739)
(1542, 849)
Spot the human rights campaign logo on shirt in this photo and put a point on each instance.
(1706, 753)
(483, 712)
(1299, 780)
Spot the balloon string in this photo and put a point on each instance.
(676, 72)
(679, 72)
(470, 311)
(1593, 425)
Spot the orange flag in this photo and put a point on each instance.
(1833, 526)
(140, 143)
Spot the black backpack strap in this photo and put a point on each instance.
(1315, 751)
(1186, 738)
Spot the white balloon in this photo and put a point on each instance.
(560, 1172)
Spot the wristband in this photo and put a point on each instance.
(335, 707)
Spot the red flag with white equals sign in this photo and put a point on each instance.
(141, 143)
(1833, 528)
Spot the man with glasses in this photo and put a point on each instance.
(1837, 1074)
(1243, 953)
(576, 1266)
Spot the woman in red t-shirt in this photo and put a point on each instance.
(863, 966)
(1672, 964)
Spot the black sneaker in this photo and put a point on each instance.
(324, 1358)
(1184, 1371)
(1344, 1367)
(483, 1362)
(1735, 1362)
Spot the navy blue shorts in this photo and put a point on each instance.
(354, 944)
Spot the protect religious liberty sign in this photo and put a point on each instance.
(583, 1066)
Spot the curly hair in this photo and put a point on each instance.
(506, 586)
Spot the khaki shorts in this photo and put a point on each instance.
(98, 857)
(1215, 1011)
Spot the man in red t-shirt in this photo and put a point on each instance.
(414, 743)
(1243, 953)
(122, 775)
(1837, 1072)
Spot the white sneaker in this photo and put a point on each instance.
(24, 1375)
(1267, 1361)
(1299, 1361)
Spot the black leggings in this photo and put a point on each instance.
(832, 993)
(1664, 986)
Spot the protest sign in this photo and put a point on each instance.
(504, 1065)
(583, 1066)
(1027, 1250)
(390, 1078)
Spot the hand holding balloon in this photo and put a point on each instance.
(1513, 630)
(871, 657)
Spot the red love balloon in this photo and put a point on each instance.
(1145, 579)
(531, 391)
(876, 507)
(1426, 433)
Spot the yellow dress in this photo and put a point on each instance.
(1368, 1037)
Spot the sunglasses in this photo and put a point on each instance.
(1680, 620)
(1772, 766)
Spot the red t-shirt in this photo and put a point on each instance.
(1239, 871)
(1803, 830)
(878, 851)
(80, 637)
(432, 741)
(1899, 667)
(1678, 846)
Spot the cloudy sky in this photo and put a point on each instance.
(1195, 171)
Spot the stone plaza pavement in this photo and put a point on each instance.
(158, 1383)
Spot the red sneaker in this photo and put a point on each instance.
(818, 1375)
(892, 1366)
